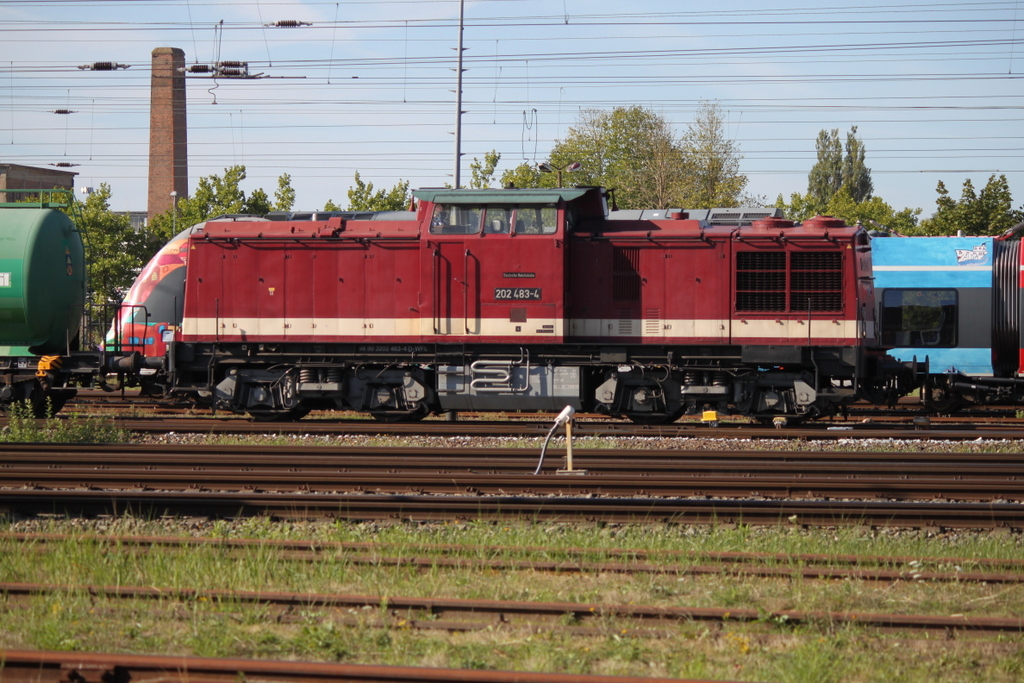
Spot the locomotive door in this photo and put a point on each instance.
(449, 268)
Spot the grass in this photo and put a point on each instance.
(23, 427)
(768, 649)
(765, 650)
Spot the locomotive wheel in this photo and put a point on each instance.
(287, 416)
(392, 416)
(655, 419)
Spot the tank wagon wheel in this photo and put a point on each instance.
(152, 389)
(46, 402)
(941, 399)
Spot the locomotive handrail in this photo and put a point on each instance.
(646, 237)
(435, 278)
(465, 292)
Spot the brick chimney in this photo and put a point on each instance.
(168, 148)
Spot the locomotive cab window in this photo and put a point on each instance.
(456, 220)
(918, 317)
(498, 220)
(536, 220)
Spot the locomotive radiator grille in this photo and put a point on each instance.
(779, 282)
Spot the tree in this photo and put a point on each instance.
(630, 149)
(872, 213)
(214, 196)
(833, 170)
(526, 175)
(826, 176)
(988, 213)
(361, 197)
(115, 252)
(856, 176)
(284, 197)
(711, 162)
(483, 172)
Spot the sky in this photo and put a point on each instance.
(934, 89)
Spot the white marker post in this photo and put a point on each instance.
(564, 418)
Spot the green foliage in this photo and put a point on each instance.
(873, 213)
(114, 252)
(23, 427)
(833, 171)
(711, 162)
(284, 197)
(856, 176)
(636, 152)
(826, 177)
(526, 175)
(989, 212)
(361, 197)
(629, 149)
(215, 196)
(483, 172)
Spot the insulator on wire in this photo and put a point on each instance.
(231, 65)
(103, 66)
(289, 23)
(64, 111)
(200, 69)
(64, 164)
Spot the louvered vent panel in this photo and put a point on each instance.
(816, 281)
(761, 281)
(652, 321)
(626, 274)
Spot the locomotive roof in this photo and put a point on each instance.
(505, 196)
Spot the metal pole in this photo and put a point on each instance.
(458, 101)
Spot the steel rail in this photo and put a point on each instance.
(828, 431)
(462, 456)
(691, 566)
(274, 480)
(417, 612)
(493, 472)
(533, 508)
(313, 548)
(31, 666)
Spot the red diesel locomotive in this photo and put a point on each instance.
(525, 299)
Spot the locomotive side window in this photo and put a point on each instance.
(536, 220)
(918, 317)
(456, 220)
(498, 219)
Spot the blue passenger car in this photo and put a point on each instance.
(953, 302)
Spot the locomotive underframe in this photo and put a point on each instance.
(644, 383)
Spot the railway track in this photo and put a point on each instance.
(457, 614)
(435, 484)
(30, 666)
(907, 428)
(493, 558)
(492, 472)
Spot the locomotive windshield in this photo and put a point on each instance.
(462, 219)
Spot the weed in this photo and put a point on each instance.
(23, 427)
